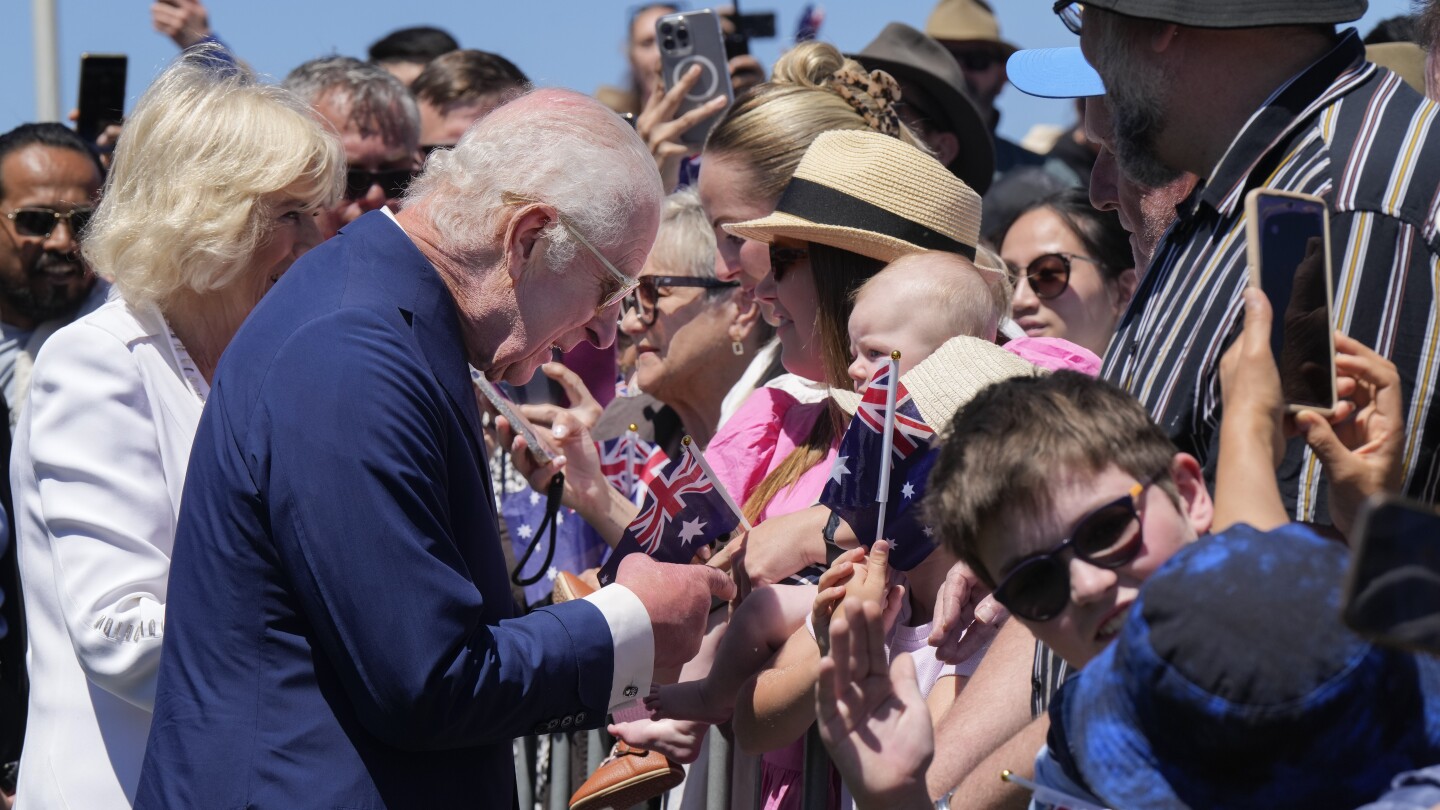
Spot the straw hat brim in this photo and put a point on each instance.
(866, 243)
(950, 377)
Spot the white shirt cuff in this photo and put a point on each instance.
(634, 643)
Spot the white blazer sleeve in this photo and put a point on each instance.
(105, 507)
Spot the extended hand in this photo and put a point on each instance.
(184, 21)
(871, 717)
(966, 616)
(677, 598)
(583, 406)
(661, 130)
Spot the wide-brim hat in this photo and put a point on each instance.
(966, 21)
(1239, 13)
(1406, 59)
(1054, 73)
(950, 377)
(916, 59)
(873, 195)
(1234, 684)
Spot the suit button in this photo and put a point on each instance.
(567, 722)
(552, 725)
(632, 691)
(539, 728)
(579, 718)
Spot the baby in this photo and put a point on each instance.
(914, 305)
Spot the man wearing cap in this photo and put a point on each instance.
(1291, 106)
(934, 102)
(969, 31)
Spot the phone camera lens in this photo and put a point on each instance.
(684, 36)
(666, 28)
(669, 43)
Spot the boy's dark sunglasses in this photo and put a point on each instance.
(1049, 275)
(41, 222)
(647, 293)
(782, 257)
(1108, 536)
(392, 181)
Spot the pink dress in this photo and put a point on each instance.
(758, 438)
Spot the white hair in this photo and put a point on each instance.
(685, 243)
(556, 146)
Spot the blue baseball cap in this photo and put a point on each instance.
(1054, 73)
(1234, 684)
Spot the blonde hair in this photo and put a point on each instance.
(997, 278)
(189, 198)
(769, 128)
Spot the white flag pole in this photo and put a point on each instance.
(887, 443)
(631, 445)
(719, 487)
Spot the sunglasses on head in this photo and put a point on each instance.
(1071, 14)
(782, 258)
(1048, 275)
(1109, 536)
(392, 181)
(41, 222)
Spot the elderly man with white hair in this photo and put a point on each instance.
(340, 631)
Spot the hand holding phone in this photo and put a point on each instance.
(1289, 251)
(102, 93)
(692, 52)
(542, 451)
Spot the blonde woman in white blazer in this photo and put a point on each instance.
(211, 197)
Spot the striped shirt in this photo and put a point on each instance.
(1367, 144)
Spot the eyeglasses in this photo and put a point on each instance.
(392, 181)
(647, 295)
(1049, 275)
(1070, 14)
(1106, 537)
(782, 258)
(617, 286)
(41, 222)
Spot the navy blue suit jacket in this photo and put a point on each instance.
(339, 627)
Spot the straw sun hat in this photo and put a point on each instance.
(950, 377)
(871, 194)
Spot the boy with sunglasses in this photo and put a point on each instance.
(1065, 497)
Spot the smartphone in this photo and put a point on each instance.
(692, 38)
(102, 93)
(1392, 590)
(539, 449)
(1289, 251)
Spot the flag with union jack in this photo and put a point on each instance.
(855, 476)
(683, 510)
(629, 462)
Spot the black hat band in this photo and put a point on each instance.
(823, 205)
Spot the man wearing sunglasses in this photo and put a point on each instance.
(49, 180)
(379, 126)
(339, 488)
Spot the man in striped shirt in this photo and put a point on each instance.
(1264, 93)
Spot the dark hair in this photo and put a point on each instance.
(1099, 231)
(55, 136)
(1395, 29)
(1004, 449)
(466, 76)
(1427, 23)
(635, 11)
(419, 44)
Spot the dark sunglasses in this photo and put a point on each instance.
(976, 60)
(782, 258)
(392, 181)
(1106, 537)
(41, 222)
(1049, 275)
(647, 294)
(1072, 14)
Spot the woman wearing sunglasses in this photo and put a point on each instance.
(102, 447)
(1072, 268)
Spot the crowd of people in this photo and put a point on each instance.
(268, 535)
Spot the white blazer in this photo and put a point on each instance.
(97, 468)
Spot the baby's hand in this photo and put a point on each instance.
(832, 591)
(872, 578)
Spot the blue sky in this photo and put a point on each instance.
(572, 43)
